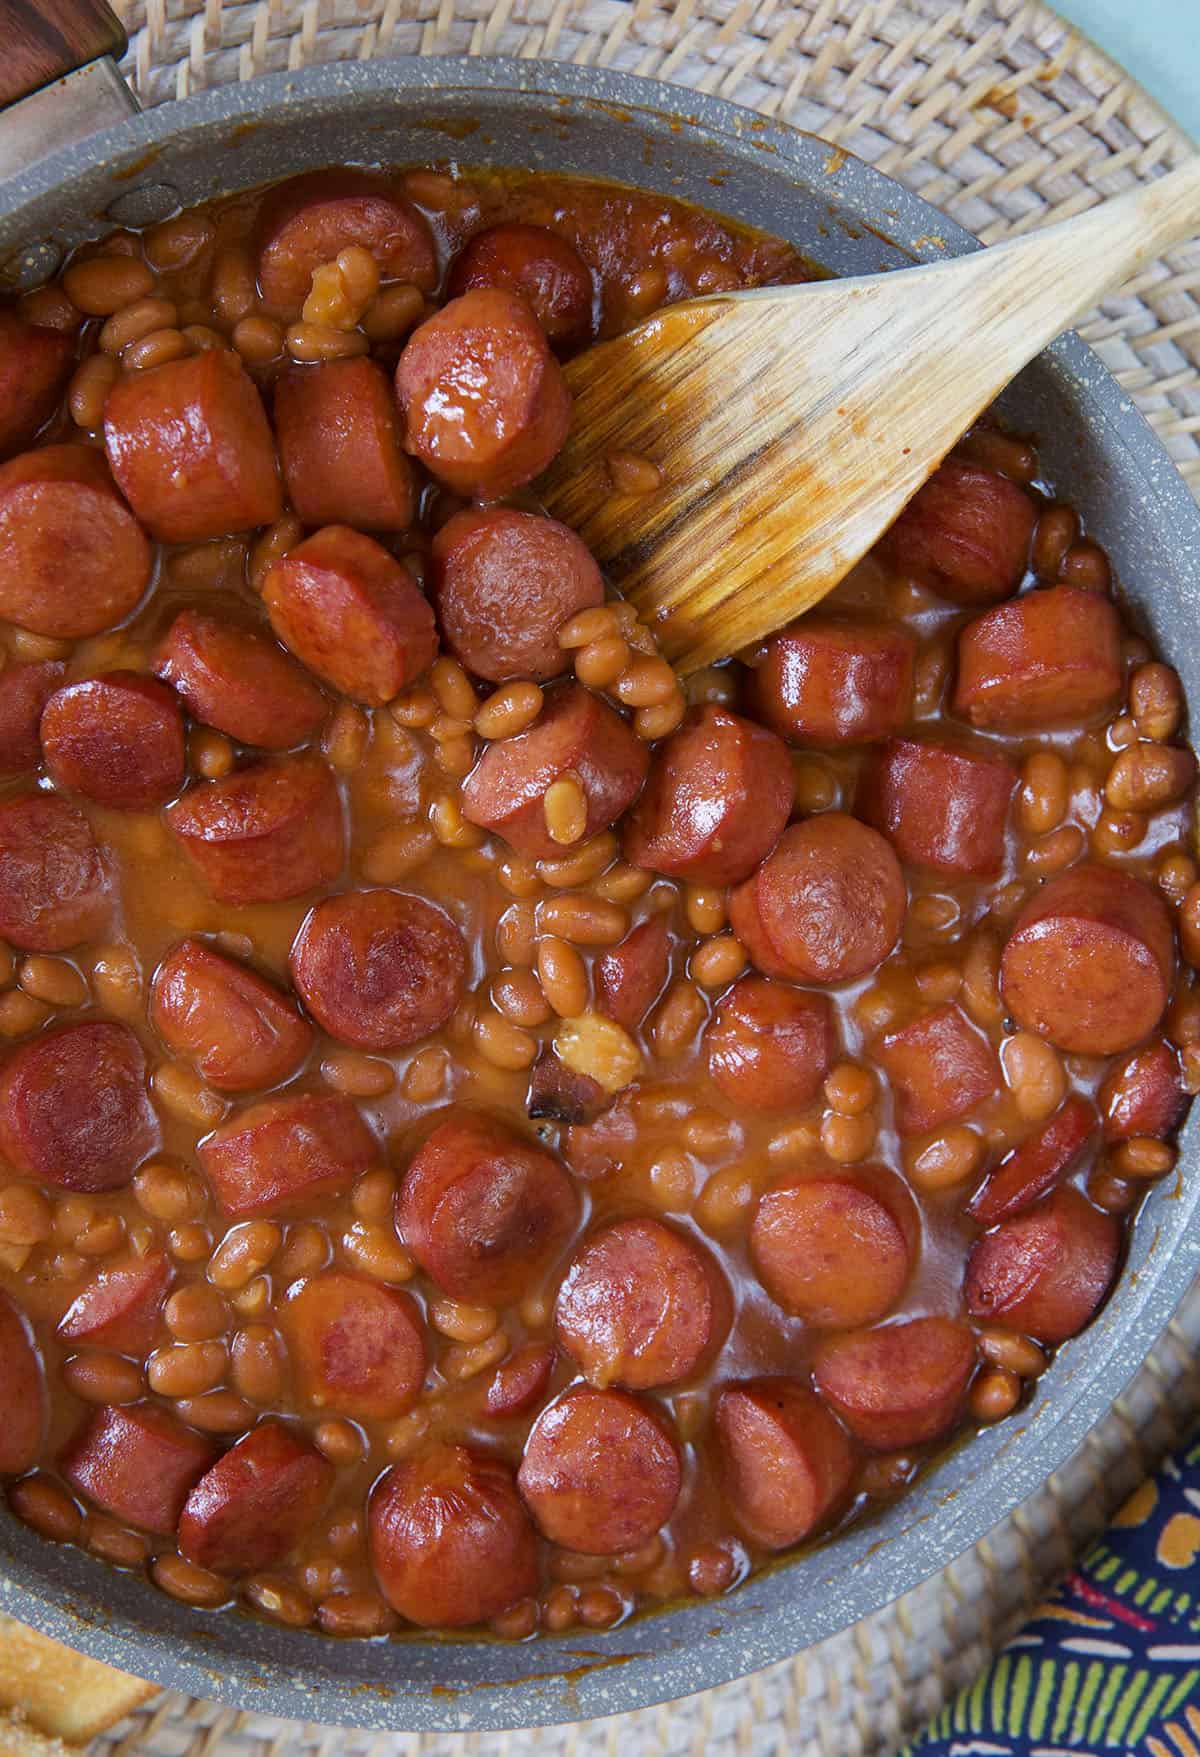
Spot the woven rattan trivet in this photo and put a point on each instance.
(999, 113)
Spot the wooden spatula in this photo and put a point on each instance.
(791, 424)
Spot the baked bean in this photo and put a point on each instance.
(1043, 796)
(582, 920)
(1175, 873)
(426, 1075)
(233, 291)
(718, 962)
(579, 867)
(847, 1139)
(189, 1242)
(257, 1363)
(103, 285)
(563, 976)
(186, 1096)
(1143, 1157)
(601, 662)
(21, 1013)
(508, 710)
(596, 1047)
(678, 1020)
(377, 1252)
(1035, 1074)
(278, 1599)
(340, 1442)
(1145, 777)
(41, 1503)
(360, 1076)
(187, 1369)
(52, 980)
(1085, 564)
(995, 1394)
(392, 313)
(103, 1378)
(210, 753)
(243, 1252)
(1017, 1354)
(88, 390)
(949, 1159)
(135, 321)
(196, 1313)
(1061, 848)
(396, 853)
(176, 242)
(192, 1585)
(1156, 701)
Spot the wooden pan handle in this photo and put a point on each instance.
(43, 39)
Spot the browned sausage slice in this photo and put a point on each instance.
(769, 1045)
(940, 806)
(835, 1249)
(503, 583)
(352, 613)
(825, 906)
(484, 401)
(719, 792)
(264, 833)
(450, 1542)
(521, 1381)
(786, 1466)
(239, 1030)
(339, 443)
(898, 1386)
(827, 680)
(1046, 1271)
(939, 1067)
(557, 1091)
(60, 502)
(484, 1210)
(965, 534)
(379, 969)
(307, 220)
(1045, 659)
(24, 1404)
(631, 976)
(1143, 1095)
(284, 1151)
(74, 1110)
(538, 263)
(35, 364)
(238, 681)
(256, 1503)
(117, 739)
(137, 1464)
(601, 1472)
(55, 889)
(1035, 1164)
(24, 692)
(121, 1307)
(357, 1348)
(576, 734)
(1090, 961)
(642, 1305)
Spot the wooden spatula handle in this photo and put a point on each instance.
(41, 40)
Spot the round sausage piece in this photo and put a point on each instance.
(901, 1385)
(117, 739)
(74, 1110)
(237, 680)
(504, 582)
(1035, 1164)
(55, 888)
(642, 1305)
(35, 363)
(239, 1030)
(306, 221)
(60, 502)
(1143, 1095)
(451, 1544)
(835, 1249)
(484, 1211)
(352, 613)
(284, 1152)
(256, 1503)
(940, 806)
(600, 1473)
(121, 1307)
(1090, 961)
(357, 1348)
(537, 263)
(717, 796)
(769, 1045)
(521, 1381)
(826, 680)
(786, 1466)
(825, 906)
(139, 1464)
(965, 534)
(191, 449)
(484, 401)
(24, 691)
(24, 1404)
(630, 977)
(1045, 659)
(379, 969)
(1045, 1271)
(265, 833)
(576, 734)
(939, 1067)
(339, 443)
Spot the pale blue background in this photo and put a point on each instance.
(1157, 40)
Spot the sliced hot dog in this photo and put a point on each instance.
(718, 793)
(74, 1110)
(557, 1091)
(941, 806)
(352, 613)
(24, 692)
(901, 1385)
(284, 1151)
(55, 888)
(239, 681)
(485, 1211)
(939, 1068)
(264, 833)
(576, 734)
(1046, 1271)
(121, 1307)
(631, 976)
(827, 680)
(642, 1305)
(538, 263)
(117, 739)
(521, 1381)
(786, 1466)
(137, 1464)
(256, 1503)
(769, 1045)
(451, 1544)
(1143, 1095)
(484, 402)
(503, 583)
(965, 534)
(240, 1031)
(1090, 961)
(357, 1348)
(379, 969)
(835, 1248)
(1045, 659)
(601, 1472)
(35, 364)
(339, 443)
(825, 906)
(191, 449)
(1035, 1164)
(307, 220)
(58, 505)
(24, 1404)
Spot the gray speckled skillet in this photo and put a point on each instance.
(1101, 455)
